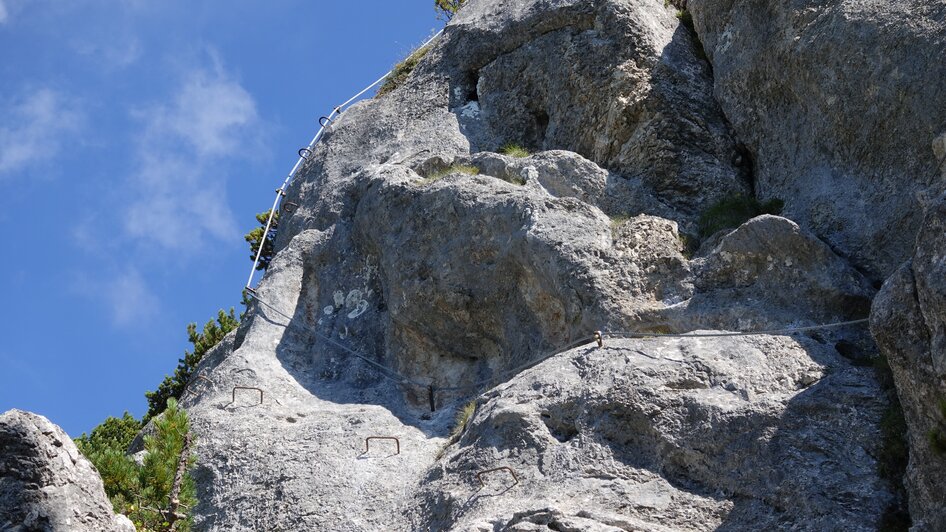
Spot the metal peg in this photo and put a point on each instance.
(235, 388)
(396, 441)
(479, 476)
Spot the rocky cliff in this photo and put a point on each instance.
(402, 280)
(422, 270)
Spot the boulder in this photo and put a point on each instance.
(46, 484)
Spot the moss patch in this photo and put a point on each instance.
(894, 451)
(734, 211)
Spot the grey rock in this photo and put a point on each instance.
(634, 98)
(908, 319)
(46, 484)
(760, 433)
(398, 271)
(838, 103)
(770, 273)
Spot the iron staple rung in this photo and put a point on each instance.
(235, 388)
(479, 476)
(396, 441)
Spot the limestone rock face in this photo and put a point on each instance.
(419, 269)
(46, 484)
(838, 103)
(909, 322)
(761, 433)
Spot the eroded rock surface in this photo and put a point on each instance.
(761, 433)
(909, 321)
(838, 103)
(421, 266)
(46, 484)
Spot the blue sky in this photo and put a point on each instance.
(137, 141)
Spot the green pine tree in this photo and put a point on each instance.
(173, 385)
(256, 238)
(144, 492)
(448, 8)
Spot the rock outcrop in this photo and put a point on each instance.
(420, 269)
(837, 102)
(402, 282)
(46, 484)
(909, 322)
(760, 433)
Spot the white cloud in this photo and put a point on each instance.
(129, 298)
(34, 129)
(115, 52)
(124, 293)
(179, 196)
(210, 112)
(3, 12)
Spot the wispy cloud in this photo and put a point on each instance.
(3, 12)
(124, 293)
(129, 298)
(34, 128)
(115, 52)
(179, 197)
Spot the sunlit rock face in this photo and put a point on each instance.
(421, 269)
(46, 484)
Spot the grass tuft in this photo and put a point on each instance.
(403, 70)
(463, 419)
(514, 150)
(464, 169)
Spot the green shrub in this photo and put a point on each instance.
(464, 169)
(113, 433)
(734, 211)
(514, 150)
(173, 386)
(448, 8)
(255, 238)
(145, 492)
(105, 447)
(402, 71)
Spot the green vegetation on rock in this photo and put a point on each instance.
(448, 8)
(256, 238)
(514, 150)
(464, 169)
(158, 494)
(173, 386)
(402, 70)
(734, 211)
(937, 436)
(463, 418)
